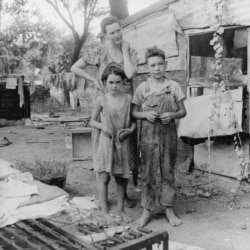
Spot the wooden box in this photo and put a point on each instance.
(81, 144)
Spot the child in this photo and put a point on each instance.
(158, 102)
(112, 153)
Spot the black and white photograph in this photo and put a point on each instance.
(124, 125)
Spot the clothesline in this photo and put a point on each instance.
(63, 80)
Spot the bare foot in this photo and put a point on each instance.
(107, 206)
(108, 218)
(124, 217)
(129, 202)
(145, 218)
(172, 218)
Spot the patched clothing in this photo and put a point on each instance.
(112, 155)
(158, 142)
(101, 58)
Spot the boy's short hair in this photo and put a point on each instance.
(154, 51)
(113, 69)
(108, 21)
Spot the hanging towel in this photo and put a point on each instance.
(11, 83)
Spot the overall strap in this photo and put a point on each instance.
(147, 87)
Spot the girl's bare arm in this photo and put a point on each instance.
(96, 113)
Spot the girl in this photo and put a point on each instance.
(112, 151)
(116, 50)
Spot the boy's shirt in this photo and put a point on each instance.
(142, 91)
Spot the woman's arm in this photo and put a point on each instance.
(132, 127)
(79, 67)
(129, 68)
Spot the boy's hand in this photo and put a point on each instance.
(107, 131)
(151, 115)
(166, 117)
(124, 133)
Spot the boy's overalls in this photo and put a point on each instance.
(158, 151)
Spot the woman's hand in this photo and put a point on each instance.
(125, 46)
(151, 115)
(98, 84)
(166, 117)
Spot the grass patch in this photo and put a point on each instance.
(44, 170)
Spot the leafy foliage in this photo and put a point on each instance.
(87, 10)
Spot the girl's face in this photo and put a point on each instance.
(114, 33)
(114, 83)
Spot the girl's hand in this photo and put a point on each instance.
(124, 133)
(166, 117)
(151, 115)
(107, 131)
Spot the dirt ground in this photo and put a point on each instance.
(212, 221)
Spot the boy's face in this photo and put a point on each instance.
(156, 67)
(114, 33)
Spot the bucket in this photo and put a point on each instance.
(196, 91)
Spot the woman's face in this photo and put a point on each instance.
(114, 33)
(114, 83)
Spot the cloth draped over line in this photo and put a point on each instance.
(68, 81)
(111, 154)
(16, 81)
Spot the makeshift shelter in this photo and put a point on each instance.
(14, 97)
(184, 28)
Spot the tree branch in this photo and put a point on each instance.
(66, 6)
(56, 8)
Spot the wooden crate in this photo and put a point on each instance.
(139, 243)
(81, 144)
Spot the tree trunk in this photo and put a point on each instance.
(119, 8)
(78, 46)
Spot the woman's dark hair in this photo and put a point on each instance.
(154, 51)
(112, 69)
(108, 21)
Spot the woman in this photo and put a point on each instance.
(114, 50)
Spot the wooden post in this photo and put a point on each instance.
(248, 82)
(248, 58)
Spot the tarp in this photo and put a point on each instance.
(161, 31)
(224, 110)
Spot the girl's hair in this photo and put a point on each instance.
(108, 21)
(154, 51)
(112, 70)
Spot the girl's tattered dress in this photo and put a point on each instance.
(102, 59)
(158, 151)
(112, 155)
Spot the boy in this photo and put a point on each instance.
(157, 103)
